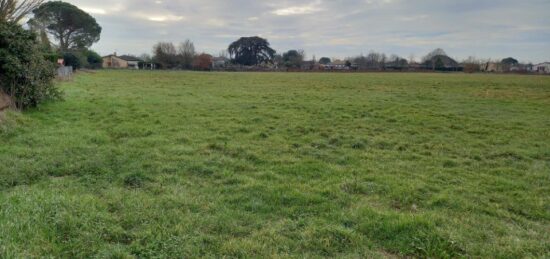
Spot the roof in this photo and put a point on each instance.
(129, 58)
(220, 59)
(124, 57)
(337, 63)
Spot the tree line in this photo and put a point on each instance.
(257, 52)
(184, 56)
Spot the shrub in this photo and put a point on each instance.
(25, 74)
(94, 60)
(72, 59)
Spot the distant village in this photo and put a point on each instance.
(293, 61)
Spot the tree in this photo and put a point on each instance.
(293, 58)
(278, 60)
(324, 61)
(251, 51)
(412, 59)
(25, 74)
(202, 62)
(348, 63)
(397, 62)
(15, 11)
(186, 54)
(438, 60)
(224, 54)
(73, 28)
(165, 54)
(434, 53)
(510, 61)
(72, 59)
(471, 65)
(146, 57)
(373, 61)
(93, 59)
(439, 65)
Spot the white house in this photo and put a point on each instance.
(336, 65)
(219, 62)
(543, 68)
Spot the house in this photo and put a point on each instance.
(219, 62)
(543, 68)
(414, 66)
(307, 65)
(125, 61)
(336, 65)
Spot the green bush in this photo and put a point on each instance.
(94, 60)
(82, 59)
(25, 74)
(72, 59)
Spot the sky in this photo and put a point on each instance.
(333, 28)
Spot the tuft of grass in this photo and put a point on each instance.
(136, 180)
(171, 164)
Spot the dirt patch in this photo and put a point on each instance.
(5, 101)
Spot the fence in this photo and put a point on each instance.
(65, 73)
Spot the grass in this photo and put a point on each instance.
(176, 164)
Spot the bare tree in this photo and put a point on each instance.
(186, 54)
(146, 57)
(224, 54)
(471, 65)
(165, 54)
(412, 59)
(16, 10)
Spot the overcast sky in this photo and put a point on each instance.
(332, 28)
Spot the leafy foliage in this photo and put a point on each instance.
(439, 65)
(73, 28)
(434, 53)
(251, 51)
(93, 59)
(72, 59)
(293, 58)
(324, 60)
(510, 61)
(25, 74)
(16, 10)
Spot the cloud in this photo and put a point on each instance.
(164, 18)
(341, 28)
(93, 10)
(299, 9)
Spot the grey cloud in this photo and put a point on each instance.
(337, 28)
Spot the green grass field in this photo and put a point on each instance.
(182, 164)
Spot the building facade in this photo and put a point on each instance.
(124, 62)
